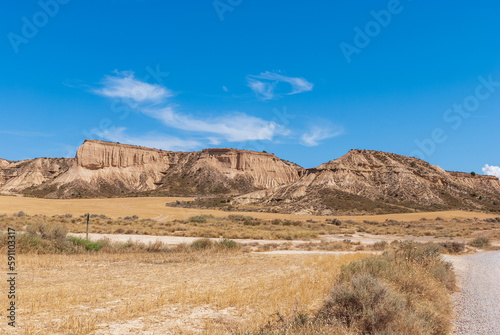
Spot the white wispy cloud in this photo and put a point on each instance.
(266, 85)
(152, 101)
(125, 85)
(491, 170)
(315, 134)
(150, 140)
(234, 127)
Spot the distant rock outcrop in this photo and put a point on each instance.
(18, 176)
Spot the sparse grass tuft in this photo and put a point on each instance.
(203, 243)
(220, 245)
(199, 218)
(380, 246)
(480, 242)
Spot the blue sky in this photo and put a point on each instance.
(306, 80)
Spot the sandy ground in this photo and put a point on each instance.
(477, 304)
(154, 208)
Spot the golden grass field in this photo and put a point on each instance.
(202, 291)
(154, 208)
(167, 293)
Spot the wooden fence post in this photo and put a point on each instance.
(88, 219)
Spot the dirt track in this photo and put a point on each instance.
(477, 304)
(365, 239)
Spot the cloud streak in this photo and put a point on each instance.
(125, 85)
(491, 170)
(316, 134)
(235, 127)
(268, 85)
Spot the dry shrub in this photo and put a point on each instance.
(453, 247)
(47, 232)
(364, 303)
(219, 245)
(380, 245)
(480, 242)
(405, 291)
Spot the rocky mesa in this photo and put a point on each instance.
(111, 169)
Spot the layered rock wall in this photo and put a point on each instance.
(94, 155)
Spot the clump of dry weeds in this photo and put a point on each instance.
(404, 291)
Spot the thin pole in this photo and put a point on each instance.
(88, 219)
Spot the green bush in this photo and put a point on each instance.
(88, 245)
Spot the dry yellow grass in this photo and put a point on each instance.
(154, 208)
(244, 227)
(167, 293)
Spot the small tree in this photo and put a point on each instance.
(472, 173)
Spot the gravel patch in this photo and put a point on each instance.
(477, 304)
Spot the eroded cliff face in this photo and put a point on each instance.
(94, 155)
(264, 169)
(365, 181)
(112, 169)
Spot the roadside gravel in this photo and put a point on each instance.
(477, 304)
